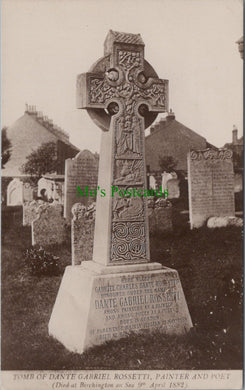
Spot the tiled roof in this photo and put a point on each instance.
(27, 134)
(47, 123)
(171, 138)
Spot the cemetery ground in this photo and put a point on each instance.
(209, 263)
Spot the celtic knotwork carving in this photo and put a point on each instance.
(129, 59)
(194, 155)
(128, 241)
(123, 95)
(100, 91)
(211, 154)
(137, 248)
(228, 153)
(135, 230)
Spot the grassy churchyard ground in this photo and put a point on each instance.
(209, 263)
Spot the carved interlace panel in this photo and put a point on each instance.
(126, 86)
(128, 241)
(211, 154)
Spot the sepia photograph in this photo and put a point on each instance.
(122, 194)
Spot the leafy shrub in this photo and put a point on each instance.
(40, 262)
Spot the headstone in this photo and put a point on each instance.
(31, 211)
(160, 216)
(211, 185)
(238, 182)
(44, 189)
(152, 182)
(165, 177)
(173, 188)
(27, 192)
(82, 232)
(49, 227)
(51, 188)
(120, 290)
(170, 182)
(80, 171)
(15, 193)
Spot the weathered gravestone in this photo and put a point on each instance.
(171, 183)
(28, 191)
(160, 216)
(120, 290)
(80, 171)
(211, 185)
(165, 177)
(15, 193)
(31, 211)
(173, 188)
(152, 182)
(49, 227)
(82, 232)
(51, 187)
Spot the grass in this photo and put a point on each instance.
(209, 263)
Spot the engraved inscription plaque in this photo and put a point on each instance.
(211, 185)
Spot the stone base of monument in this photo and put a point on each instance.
(97, 303)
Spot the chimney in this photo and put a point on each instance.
(234, 135)
(170, 115)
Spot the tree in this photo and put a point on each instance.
(167, 163)
(6, 147)
(41, 161)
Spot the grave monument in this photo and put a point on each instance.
(82, 171)
(15, 192)
(211, 185)
(49, 227)
(120, 290)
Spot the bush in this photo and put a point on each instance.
(40, 262)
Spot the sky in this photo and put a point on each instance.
(192, 43)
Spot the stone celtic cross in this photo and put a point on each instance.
(123, 94)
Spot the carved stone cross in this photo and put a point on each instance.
(123, 95)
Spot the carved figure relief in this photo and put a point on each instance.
(121, 82)
(128, 172)
(128, 208)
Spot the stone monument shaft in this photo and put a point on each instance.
(120, 290)
(123, 95)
